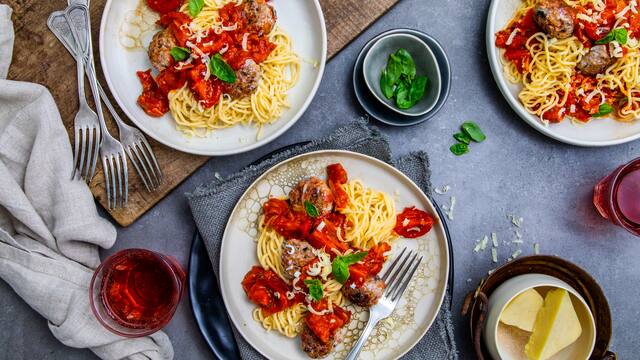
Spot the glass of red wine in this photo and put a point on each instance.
(617, 197)
(135, 292)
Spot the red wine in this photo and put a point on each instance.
(139, 290)
(628, 196)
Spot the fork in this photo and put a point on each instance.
(86, 128)
(397, 279)
(135, 143)
(114, 160)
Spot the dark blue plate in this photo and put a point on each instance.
(206, 300)
(382, 113)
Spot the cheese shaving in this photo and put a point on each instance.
(245, 40)
(512, 36)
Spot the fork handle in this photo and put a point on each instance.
(355, 350)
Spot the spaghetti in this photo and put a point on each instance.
(591, 73)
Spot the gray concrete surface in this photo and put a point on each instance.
(516, 171)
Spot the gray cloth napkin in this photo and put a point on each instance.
(212, 204)
(50, 230)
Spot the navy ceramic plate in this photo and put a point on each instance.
(207, 303)
(382, 113)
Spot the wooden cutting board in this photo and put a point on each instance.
(40, 58)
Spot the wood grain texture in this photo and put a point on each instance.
(39, 57)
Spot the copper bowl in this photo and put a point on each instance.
(476, 303)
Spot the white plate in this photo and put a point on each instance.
(420, 303)
(598, 132)
(302, 20)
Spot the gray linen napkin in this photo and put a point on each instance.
(212, 204)
(50, 230)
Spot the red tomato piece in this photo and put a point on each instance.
(261, 287)
(412, 223)
(325, 326)
(163, 6)
(279, 216)
(336, 177)
(371, 265)
(170, 79)
(152, 100)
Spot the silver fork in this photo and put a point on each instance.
(135, 143)
(397, 279)
(114, 160)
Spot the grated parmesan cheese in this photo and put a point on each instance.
(536, 248)
(512, 36)
(320, 226)
(494, 255)
(290, 248)
(442, 190)
(245, 40)
(319, 313)
(516, 254)
(585, 17)
(494, 239)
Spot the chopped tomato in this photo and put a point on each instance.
(267, 290)
(152, 100)
(325, 326)
(164, 6)
(279, 216)
(370, 266)
(327, 240)
(207, 92)
(412, 223)
(514, 38)
(336, 177)
(170, 79)
(177, 22)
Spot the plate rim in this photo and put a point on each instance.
(185, 148)
(389, 167)
(498, 76)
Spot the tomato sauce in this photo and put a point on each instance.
(325, 326)
(206, 89)
(267, 290)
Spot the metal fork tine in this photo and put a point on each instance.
(393, 265)
(146, 178)
(119, 194)
(157, 172)
(76, 138)
(82, 151)
(114, 194)
(105, 170)
(96, 153)
(396, 272)
(90, 155)
(405, 282)
(392, 288)
(125, 170)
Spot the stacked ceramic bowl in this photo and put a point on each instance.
(430, 61)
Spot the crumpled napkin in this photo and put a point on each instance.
(50, 230)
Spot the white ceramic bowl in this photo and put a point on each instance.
(598, 132)
(302, 20)
(581, 349)
(426, 64)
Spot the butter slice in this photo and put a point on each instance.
(557, 326)
(522, 310)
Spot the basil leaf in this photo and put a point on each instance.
(403, 100)
(473, 130)
(619, 34)
(221, 69)
(394, 69)
(179, 53)
(408, 65)
(416, 92)
(462, 137)
(459, 149)
(311, 209)
(340, 265)
(315, 289)
(195, 6)
(603, 110)
(385, 85)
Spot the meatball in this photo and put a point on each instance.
(312, 345)
(247, 79)
(554, 18)
(295, 255)
(315, 191)
(160, 49)
(260, 16)
(595, 61)
(366, 295)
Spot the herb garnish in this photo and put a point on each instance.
(340, 265)
(311, 209)
(221, 69)
(398, 80)
(315, 289)
(195, 6)
(618, 34)
(470, 132)
(603, 110)
(179, 53)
